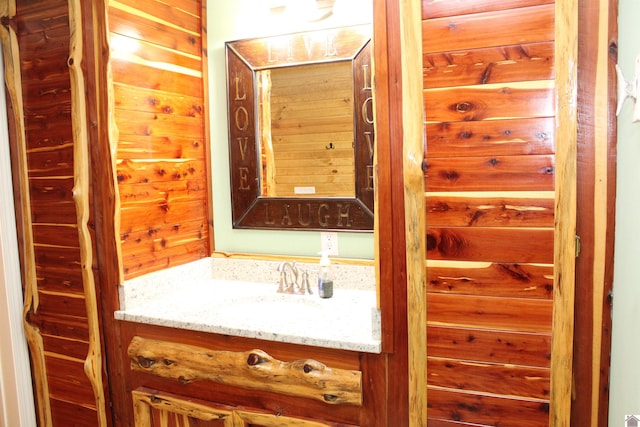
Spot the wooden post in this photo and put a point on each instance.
(566, 45)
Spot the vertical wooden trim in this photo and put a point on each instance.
(600, 205)
(106, 208)
(596, 209)
(389, 222)
(34, 339)
(106, 101)
(566, 54)
(211, 243)
(414, 207)
(81, 196)
(383, 251)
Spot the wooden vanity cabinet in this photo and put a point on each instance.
(169, 386)
(153, 409)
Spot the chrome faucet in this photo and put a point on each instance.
(289, 276)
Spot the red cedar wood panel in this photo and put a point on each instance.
(489, 138)
(138, 99)
(438, 8)
(122, 23)
(484, 410)
(488, 103)
(451, 210)
(513, 280)
(510, 137)
(533, 61)
(509, 173)
(43, 34)
(500, 347)
(161, 156)
(508, 380)
(498, 28)
(593, 395)
(170, 12)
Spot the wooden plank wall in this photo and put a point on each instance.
(56, 309)
(312, 137)
(158, 63)
(489, 106)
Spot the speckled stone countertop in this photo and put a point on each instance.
(240, 299)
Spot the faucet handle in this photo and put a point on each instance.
(305, 287)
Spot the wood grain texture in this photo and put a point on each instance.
(597, 55)
(511, 137)
(502, 27)
(481, 209)
(501, 347)
(566, 19)
(254, 369)
(437, 8)
(157, 409)
(503, 64)
(509, 314)
(61, 313)
(507, 380)
(509, 173)
(13, 81)
(93, 362)
(490, 179)
(461, 408)
(489, 102)
(511, 245)
(159, 111)
(414, 204)
(490, 279)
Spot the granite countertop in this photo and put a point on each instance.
(349, 320)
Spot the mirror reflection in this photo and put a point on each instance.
(306, 128)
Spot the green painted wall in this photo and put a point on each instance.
(238, 19)
(625, 354)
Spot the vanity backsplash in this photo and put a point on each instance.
(345, 276)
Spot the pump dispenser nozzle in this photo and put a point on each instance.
(325, 283)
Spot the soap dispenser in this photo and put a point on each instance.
(325, 283)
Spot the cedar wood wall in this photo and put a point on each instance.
(462, 148)
(162, 146)
(489, 108)
(60, 316)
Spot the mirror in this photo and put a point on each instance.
(301, 137)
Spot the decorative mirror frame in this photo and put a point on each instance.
(244, 58)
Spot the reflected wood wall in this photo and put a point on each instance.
(157, 62)
(490, 194)
(311, 119)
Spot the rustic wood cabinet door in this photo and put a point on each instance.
(256, 419)
(159, 410)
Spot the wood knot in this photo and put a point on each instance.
(425, 166)
(450, 175)
(548, 170)
(463, 107)
(145, 362)
(254, 359)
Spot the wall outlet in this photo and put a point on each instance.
(329, 243)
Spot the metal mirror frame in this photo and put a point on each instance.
(244, 59)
